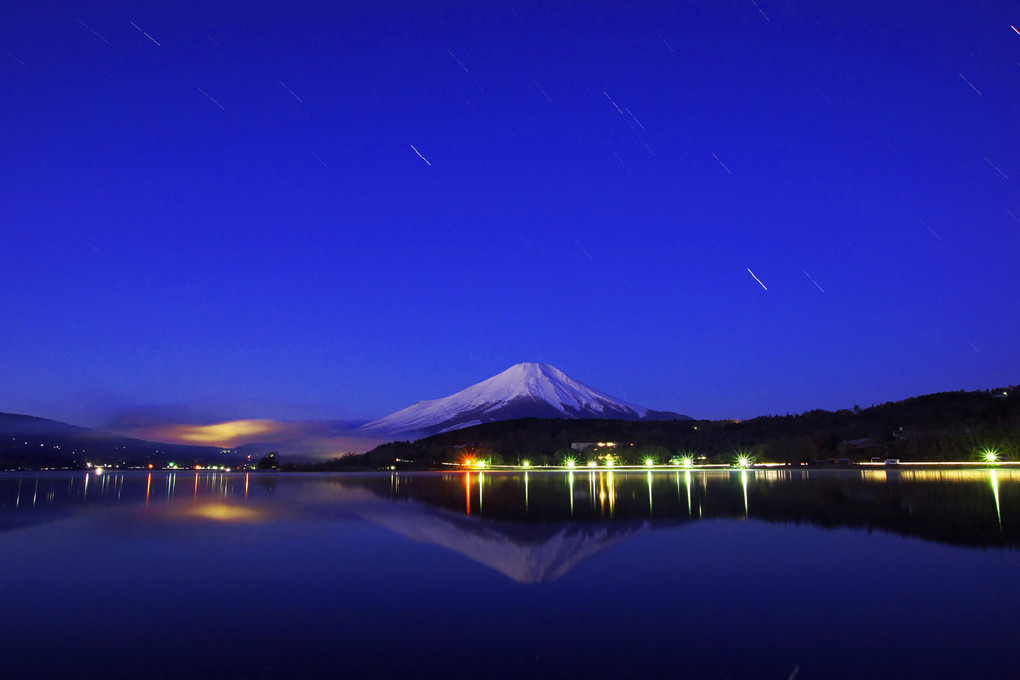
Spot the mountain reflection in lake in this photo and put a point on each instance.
(875, 573)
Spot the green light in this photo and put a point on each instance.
(990, 455)
(743, 462)
(609, 461)
(526, 463)
(481, 464)
(571, 462)
(592, 463)
(743, 482)
(649, 462)
(688, 461)
(995, 491)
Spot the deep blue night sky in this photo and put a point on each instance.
(219, 212)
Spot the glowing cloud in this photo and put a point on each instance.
(223, 434)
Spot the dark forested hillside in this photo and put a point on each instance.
(27, 442)
(943, 426)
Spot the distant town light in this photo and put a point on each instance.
(571, 462)
(743, 462)
(592, 463)
(526, 463)
(990, 455)
(649, 462)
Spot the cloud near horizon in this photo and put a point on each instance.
(228, 434)
(305, 439)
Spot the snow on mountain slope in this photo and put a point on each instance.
(523, 390)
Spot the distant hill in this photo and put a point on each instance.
(27, 442)
(943, 426)
(527, 390)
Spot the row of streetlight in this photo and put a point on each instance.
(686, 462)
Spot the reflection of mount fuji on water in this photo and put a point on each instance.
(527, 553)
(533, 527)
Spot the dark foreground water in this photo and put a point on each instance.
(761, 574)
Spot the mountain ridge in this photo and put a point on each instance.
(33, 442)
(525, 390)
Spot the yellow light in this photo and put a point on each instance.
(223, 512)
(481, 463)
(649, 462)
(224, 434)
(570, 463)
(592, 463)
(99, 470)
(609, 461)
(526, 463)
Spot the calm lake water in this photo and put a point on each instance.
(722, 574)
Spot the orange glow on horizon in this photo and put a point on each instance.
(225, 434)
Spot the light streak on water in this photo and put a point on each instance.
(650, 493)
(995, 492)
(612, 496)
(570, 488)
(678, 487)
(525, 492)
(743, 482)
(689, 512)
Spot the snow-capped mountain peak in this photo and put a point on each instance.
(523, 390)
(546, 383)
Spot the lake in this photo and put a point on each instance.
(547, 574)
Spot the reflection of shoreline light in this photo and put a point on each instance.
(223, 512)
(690, 512)
(650, 507)
(995, 490)
(743, 482)
(525, 492)
(570, 490)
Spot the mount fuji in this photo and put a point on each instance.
(522, 391)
